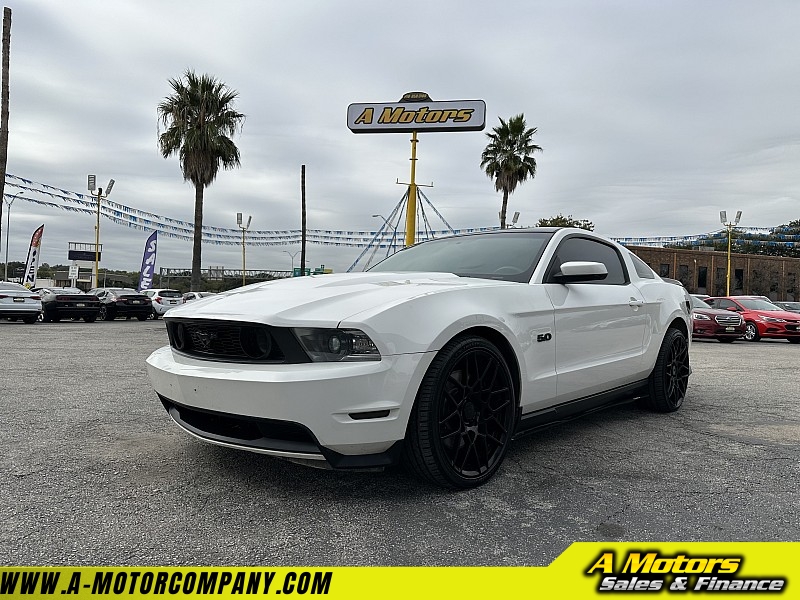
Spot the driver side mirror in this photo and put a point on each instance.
(579, 271)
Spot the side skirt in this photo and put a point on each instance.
(579, 407)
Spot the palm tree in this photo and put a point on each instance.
(199, 122)
(508, 158)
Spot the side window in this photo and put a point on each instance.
(583, 249)
(642, 270)
(726, 304)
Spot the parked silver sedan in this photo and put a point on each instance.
(18, 302)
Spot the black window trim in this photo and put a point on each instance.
(549, 271)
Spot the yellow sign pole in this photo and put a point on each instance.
(411, 207)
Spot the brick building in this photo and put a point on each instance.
(705, 272)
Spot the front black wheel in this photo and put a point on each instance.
(464, 416)
(751, 332)
(726, 340)
(670, 376)
(794, 340)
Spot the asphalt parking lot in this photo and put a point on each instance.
(95, 473)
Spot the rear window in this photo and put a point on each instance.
(169, 294)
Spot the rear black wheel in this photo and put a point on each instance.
(670, 376)
(90, 319)
(105, 313)
(794, 340)
(142, 317)
(464, 416)
(30, 320)
(726, 340)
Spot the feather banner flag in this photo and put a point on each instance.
(32, 264)
(148, 262)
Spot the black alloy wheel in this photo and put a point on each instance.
(670, 376)
(105, 313)
(464, 416)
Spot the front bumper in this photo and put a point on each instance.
(777, 330)
(332, 412)
(701, 329)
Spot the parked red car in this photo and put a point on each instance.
(762, 318)
(722, 325)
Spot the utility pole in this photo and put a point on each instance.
(4, 111)
(303, 232)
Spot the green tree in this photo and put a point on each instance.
(508, 158)
(199, 121)
(561, 221)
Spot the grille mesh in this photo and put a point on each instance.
(227, 340)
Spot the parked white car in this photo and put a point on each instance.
(163, 299)
(18, 302)
(438, 356)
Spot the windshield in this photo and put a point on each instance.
(756, 304)
(508, 256)
(697, 303)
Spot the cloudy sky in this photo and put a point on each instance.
(653, 116)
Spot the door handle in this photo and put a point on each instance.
(636, 303)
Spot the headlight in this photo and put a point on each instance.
(700, 317)
(333, 345)
(771, 319)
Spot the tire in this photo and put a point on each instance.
(794, 340)
(90, 319)
(751, 332)
(670, 376)
(154, 315)
(30, 320)
(726, 340)
(143, 317)
(464, 415)
(105, 314)
(42, 317)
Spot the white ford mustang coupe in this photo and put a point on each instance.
(436, 357)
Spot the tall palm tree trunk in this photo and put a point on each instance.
(503, 209)
(198, 237)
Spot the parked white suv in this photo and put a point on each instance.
(163, 300)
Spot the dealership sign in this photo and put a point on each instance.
(416, 112)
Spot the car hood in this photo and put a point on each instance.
(323, 300)
(778, 314)
(714, 311)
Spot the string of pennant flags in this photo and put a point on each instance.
(184, 230)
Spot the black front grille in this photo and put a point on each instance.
(234, 341)
(251, 432)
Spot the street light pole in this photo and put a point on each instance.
(244, 229)
(729, 226)
(292, 254)
(8, 226)
(92, 185)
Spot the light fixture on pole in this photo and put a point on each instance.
(8, 226)
(244, 229)
(292, 254)
(723, 217)
(385, 220)
(92, 185)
